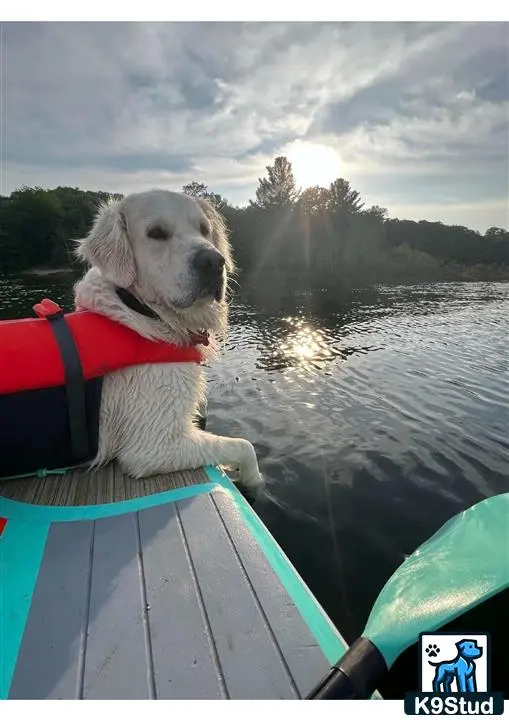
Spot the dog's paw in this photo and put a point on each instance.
(252, 491)
(432, 650)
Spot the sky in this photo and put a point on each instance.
(414, 115)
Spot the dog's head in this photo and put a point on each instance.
(469, 649)
(171, 248)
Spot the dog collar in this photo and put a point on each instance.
(199, 338)
(134, 304)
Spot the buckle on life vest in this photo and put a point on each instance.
(199, 338)
(48, 309)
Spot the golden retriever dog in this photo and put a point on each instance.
(159, 264)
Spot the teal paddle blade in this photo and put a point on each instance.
(464, 563)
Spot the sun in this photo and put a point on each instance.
(313, 164)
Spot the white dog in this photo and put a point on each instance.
(172, 254)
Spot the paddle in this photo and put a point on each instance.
(464, 563)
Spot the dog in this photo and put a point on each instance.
(462, 669)
(159, 264)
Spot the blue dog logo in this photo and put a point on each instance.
(462, 668)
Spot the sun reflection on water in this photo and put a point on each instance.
(298, 343)
(304, 343)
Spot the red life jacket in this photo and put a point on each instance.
(51, 371)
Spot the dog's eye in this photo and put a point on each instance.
(157, 233)
(204, 229)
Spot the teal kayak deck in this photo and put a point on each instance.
(181, 593)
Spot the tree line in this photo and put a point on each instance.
(318, 235)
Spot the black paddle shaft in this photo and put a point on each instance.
(355, 676)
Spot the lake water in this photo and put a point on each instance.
(377, 414)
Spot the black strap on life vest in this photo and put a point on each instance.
(74, 386)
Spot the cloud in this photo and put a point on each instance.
(418, 112)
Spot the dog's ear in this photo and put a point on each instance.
(107, 246)
(219, 232)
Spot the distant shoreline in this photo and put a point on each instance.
(41, 272)
(450, 272)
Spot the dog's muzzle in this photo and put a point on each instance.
(209, 265)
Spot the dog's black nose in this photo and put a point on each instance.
(209, 263)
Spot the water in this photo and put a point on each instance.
(377, 414)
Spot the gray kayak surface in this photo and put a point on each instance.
(177, 600)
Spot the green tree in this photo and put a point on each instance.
(314, 200)
(342, 197)
(375, 211)
(200, 190)
(31, 224)
(37, 226)
(278, 188)
(495, 232)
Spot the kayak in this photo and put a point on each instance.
(177, 594)
(184, 593)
